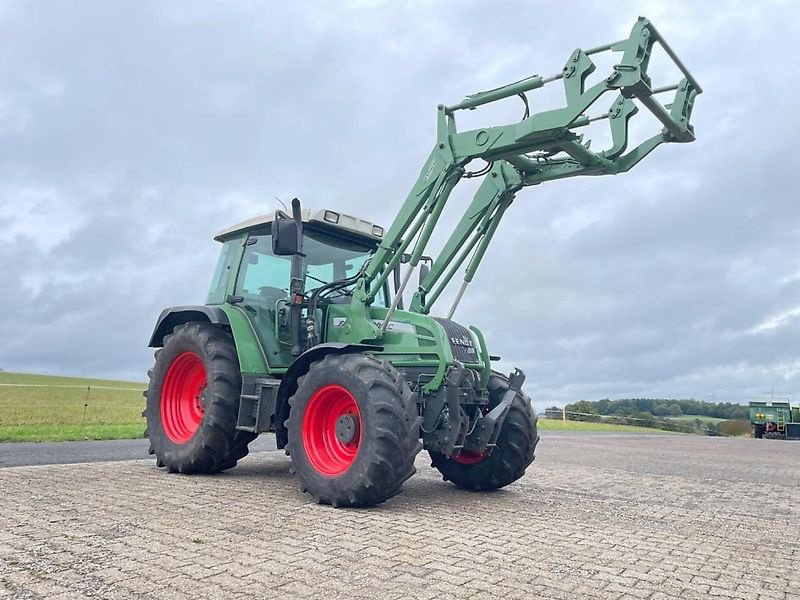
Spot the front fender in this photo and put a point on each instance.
(300, 366)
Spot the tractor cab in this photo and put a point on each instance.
(250, 273)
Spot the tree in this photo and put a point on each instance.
(661, 410)
(645, 419)
(740, 413)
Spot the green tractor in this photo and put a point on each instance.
(305, 334)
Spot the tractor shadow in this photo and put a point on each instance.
(271, 465)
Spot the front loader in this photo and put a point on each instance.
(305, 334)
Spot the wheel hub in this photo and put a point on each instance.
(201, 398)
(346, 428)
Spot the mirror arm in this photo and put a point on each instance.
(297, 284)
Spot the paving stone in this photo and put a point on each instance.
(599, 516)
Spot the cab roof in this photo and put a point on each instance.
(328, 218)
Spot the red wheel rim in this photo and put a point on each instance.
(182, 397)
(468, 457)
(330, 407)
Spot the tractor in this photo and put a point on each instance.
(305, 333)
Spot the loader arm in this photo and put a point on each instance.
(541, 147)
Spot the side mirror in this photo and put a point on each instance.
(285, 236)
(424, 269)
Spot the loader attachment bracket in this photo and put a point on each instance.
(486, 431)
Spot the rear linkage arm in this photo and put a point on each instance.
(541, 147)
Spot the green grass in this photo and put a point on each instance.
(68, 433)
(47, 408)
(559, 425)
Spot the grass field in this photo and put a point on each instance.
(37, 408)
(559, 425)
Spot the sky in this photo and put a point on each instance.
(131, 132)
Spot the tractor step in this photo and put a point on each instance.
(257, 404)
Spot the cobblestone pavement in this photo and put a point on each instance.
(605, 516)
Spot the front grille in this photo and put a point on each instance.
(461, 343)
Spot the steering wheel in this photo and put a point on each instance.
(271, 295)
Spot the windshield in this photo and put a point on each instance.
(327, 259)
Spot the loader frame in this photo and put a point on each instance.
(543, 146)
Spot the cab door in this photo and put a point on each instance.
(262, 287)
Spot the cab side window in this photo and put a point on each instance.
(263, 275)
(219, 283)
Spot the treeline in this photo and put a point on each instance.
(660, 414)
(660, 407)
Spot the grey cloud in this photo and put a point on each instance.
(130, 133)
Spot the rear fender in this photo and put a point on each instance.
(173, 316)
(248, 348)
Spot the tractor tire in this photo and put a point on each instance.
(193, 402)
(353, 430)
(514, 451)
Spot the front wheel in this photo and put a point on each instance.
(507, 461)
(353, 430)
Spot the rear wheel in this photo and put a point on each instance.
(503, 464)
(353, 430)
(193, 400)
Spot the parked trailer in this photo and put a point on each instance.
(775, 420)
